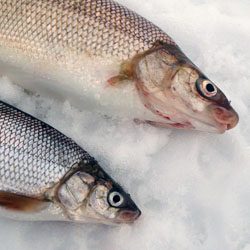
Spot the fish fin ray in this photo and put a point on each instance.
(17, 202)
(115, 80)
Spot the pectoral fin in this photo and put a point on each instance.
(126, 73)
(116, 80)
(22, 203)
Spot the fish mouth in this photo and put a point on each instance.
(225, 117)
(128, 216)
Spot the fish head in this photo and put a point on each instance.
(112, 203)
(178, 93)
(91, 195)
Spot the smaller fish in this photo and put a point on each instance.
(44, 175)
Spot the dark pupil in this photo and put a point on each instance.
(116, 198)
(210, 87)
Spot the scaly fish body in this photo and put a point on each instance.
(44, 172)
(106, 58)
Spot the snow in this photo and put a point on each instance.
(193, 188)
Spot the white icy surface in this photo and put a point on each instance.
(193, 188)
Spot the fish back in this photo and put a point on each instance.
(96, 27)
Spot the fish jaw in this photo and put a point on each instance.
(189, 124)
(216, 120)
(174, 90)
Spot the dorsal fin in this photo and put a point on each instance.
(18, 202)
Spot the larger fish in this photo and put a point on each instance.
(44, 175)
(106, 58)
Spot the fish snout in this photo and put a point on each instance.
(129, 216)
(226, 117)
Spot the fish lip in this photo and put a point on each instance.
(128, 216)
(225, 116)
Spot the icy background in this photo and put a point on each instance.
(193, 188)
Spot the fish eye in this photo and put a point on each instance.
(206, 87)
(209, 88)
(115, 199)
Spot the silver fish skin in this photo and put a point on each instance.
(44, 175)
(106, 58)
